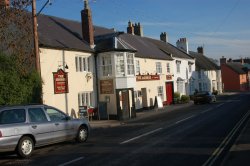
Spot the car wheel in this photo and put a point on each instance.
(82, 134)
(25, 147)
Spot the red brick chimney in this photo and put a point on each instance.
(4, 4)
(130, 28)
(87, 25)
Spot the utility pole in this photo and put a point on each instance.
(36, 46)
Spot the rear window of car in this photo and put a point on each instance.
(12, 116)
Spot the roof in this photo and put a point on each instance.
(123, 41)
(66, 34)
(170, 49)
(203, 62)
(236, 67)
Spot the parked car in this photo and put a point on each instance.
(22, 128)
(204, 97)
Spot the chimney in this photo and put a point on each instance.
(87, 25)
(164, 37)
(242, 61)
(130, 28)
(200, 50)
(223, 60)
(138, 29)
(182, 44)
(4, 4)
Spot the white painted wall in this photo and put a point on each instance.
(149, 66)
(51, 60)
(184, 74)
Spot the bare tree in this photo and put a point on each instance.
(16, 34)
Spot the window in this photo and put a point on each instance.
(178, 66)
(200, 86)
(137, 94)
(158, 67)
(120, 68)
(82, 64)
(190, 68)
(160, 92)
(106, 66)
(138, 70)
(130, 64)
(168, 68)
(12, 116)
(55, 115)
(37, 115)
(199, 74)
(180, 85)
(85, 99)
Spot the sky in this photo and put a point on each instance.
(222, 27)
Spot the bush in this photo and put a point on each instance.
(177, 97)
(185, 99)
(17, 87)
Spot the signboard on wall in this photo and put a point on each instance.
(169, 77)
(147, 77)
(60, 82)
(106, 86)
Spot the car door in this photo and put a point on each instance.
(63, 126)
(40, 126)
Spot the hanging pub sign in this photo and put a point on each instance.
(60, 82)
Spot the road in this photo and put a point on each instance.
(197, 135)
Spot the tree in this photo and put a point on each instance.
(19, 82)
(16, 34)
(17, 88)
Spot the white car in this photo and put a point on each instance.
(24, 127)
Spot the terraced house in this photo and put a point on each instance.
(120, 73)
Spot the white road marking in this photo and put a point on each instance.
(220, 105)
(72, 161)
(225, 142)
(185, 119)
(140, 136)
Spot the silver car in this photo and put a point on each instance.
(22, 128)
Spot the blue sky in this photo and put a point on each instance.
(221, 26)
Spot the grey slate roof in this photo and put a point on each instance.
(237, 67)
(143, 47)
(170, 49)
(203, 62)
(66, 34)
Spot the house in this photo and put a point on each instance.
(137, 70)
(235, 76)
(183, 66)
(207, 73)
(67, 62)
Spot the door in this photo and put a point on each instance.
(169, 92)
(144, 97)
(63, 128)
(40, 127)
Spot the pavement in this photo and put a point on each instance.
(139, 115)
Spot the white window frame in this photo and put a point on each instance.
(82, 64)
(158, 67)
(168, 68)
(120, 64)
(138, 69)
(106, 65)
(130, 64)
(85, 99)
(178, 66)
(160, 92)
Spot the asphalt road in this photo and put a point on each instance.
(198, 135)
